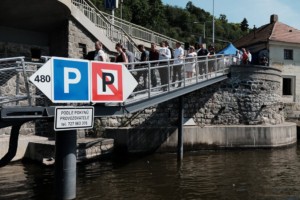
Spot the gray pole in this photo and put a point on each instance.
(180, 130)
(65, 164)
(121, 9)
(213, 36)
(204, 32)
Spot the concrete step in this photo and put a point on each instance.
(42, 149)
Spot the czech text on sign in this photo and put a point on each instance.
(70, 118)
(65, 80)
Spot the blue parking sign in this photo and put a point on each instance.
(111, 4)
(70, 80)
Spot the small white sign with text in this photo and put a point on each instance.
(71, 118)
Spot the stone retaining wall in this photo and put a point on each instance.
(251, 96)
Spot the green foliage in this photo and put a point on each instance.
(184, 24)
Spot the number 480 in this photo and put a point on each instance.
(42, 78)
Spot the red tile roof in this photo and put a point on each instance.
(258, 36)
(258, 39)
(285, 33)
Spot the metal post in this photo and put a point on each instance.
(204, 33)
(213, 36)
(65, 164)
(180, 130)
(121, 9)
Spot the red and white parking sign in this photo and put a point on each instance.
(69, 80)
(108, 82)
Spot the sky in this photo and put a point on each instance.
(257, 12)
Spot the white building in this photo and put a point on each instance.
(280, 44)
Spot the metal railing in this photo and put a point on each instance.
(156, 78)
(153, 77)
(119, 30)
(14, 86)
(114, 32)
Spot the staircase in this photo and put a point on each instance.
(119, 30)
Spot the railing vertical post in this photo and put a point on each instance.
(206, 67)
(169, 74)
(224, 63)
(197, 69)
(152, 37)
(26, 82)
(184, 72)
(149, 79)
(65, 164)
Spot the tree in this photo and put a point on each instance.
(139, 12)
(184, 24)
(223, 18)
(244, 25)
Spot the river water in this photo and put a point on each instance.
(235, 174)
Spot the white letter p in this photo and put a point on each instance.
(69, 81)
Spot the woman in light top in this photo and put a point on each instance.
(190, 62)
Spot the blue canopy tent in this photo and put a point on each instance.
(229, 50)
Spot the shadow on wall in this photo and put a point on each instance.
(149, 129)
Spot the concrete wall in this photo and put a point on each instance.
(23, 143)
(79, 35)
(63, 41)
(164, 139)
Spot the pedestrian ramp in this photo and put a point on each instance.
(20, 99)
(207, 71)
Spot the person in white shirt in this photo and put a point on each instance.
(164, 56)
(237, 58)
(178, 62)
(190, 63)
(249, 57)
(99, 53)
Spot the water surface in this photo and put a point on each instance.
(235, 174)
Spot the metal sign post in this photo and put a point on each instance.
(65, 80)
(65, 164)
(180, 129)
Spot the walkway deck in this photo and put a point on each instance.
(34, 105)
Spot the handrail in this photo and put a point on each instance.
(132, 30)
(11, 69)
(154, 78)
(113, 31)
(204, 67)
(140, 32)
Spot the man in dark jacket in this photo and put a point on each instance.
(202, 54)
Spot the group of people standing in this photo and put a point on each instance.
(244, 57)
(165, 56)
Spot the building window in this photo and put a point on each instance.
(287, 86)
(288, 54)
(82, 50)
